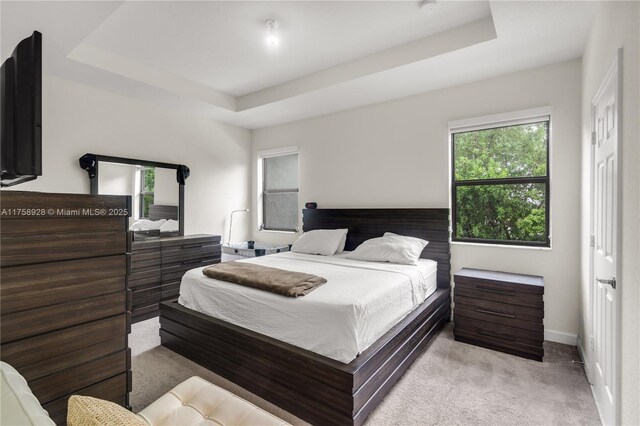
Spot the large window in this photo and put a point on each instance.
(147, 185)
(279, 197)
(500, 183)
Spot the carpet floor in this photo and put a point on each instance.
(451, 383)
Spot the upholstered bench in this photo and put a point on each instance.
(18, 405)
(197, 402)
(193, 402)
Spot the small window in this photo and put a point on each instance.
(500, 184)
(145, 197)
(280, 192)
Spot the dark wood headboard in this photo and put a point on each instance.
(429, 224)
(159, 211)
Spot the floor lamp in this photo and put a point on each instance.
(231, 223)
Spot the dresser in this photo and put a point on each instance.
(63, 295)
(157, 267)
(500, 311)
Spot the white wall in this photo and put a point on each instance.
(617, 25)
(78, 119)
(116, 179)
(166, 187)
(395, 154)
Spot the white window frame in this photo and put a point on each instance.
(261, 155)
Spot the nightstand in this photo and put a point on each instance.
(500, 311)
(235, 251)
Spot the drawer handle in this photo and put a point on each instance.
(493, 290)
(500, 314)
(501, 336)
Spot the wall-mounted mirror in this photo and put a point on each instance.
(156, 190)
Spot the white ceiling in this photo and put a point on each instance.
(221, 44)
(210, 58)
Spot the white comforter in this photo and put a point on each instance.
(359, 303)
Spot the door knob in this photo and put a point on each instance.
(611, 282)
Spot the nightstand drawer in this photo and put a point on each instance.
(508, 297)
(511, 334)
(503, 282)
(500, 309)
(500, 344)
(490, 318)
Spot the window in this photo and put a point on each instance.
(145, 197)
(500, 183)
(279, 196)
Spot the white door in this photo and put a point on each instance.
(605, 127)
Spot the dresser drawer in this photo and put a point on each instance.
(49, 318)
(145, 312)
(190, 253)
(30, 249)
(39, 349)
(147, 296)
(175, 271)
(35, 286)
(144, 279)
(173, 243)
(146, 246)
(141, 262)
(78, 377)
(112, 389)
(170, 289)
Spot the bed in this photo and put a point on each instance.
(324, 387)
(158, 212)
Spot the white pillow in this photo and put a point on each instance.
(404, 237)
(170, 226)
(343, 242)
(146, 224)
(390, 248)
(319, 241)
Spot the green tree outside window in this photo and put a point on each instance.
(500, 184)
(147, 185)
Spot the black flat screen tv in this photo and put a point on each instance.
(21, 114)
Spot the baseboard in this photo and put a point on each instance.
(582, 353)
(561, 337)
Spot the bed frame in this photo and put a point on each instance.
(313, 387)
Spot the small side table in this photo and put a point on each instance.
(500, 311)
(236, 251)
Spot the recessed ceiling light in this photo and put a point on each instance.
(272, 32)
(428, 6)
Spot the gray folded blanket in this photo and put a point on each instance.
(279, 281)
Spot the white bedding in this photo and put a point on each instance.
(360, 302)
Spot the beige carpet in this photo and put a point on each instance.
(450, 384)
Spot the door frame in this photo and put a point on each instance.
(614, 70)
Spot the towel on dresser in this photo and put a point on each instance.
(279, 281)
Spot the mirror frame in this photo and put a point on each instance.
(91, 164)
